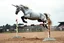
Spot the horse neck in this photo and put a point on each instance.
(24, 10)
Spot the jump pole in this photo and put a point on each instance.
(17, 29)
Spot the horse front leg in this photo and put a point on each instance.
(23, 19)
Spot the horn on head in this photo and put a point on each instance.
(15, 5)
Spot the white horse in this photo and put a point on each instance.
(29, 14)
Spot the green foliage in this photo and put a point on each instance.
(26, 28)
(7, 26)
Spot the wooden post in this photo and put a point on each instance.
(48, 31)
(49, 26)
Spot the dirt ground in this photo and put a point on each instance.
(32, 37)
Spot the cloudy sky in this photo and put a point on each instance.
(55, 8)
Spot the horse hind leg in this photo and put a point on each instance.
(46, 26)
(39, 20)
(23, 19)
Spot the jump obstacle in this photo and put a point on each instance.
(49, 38)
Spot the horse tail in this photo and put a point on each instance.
(48, 19)
(46, 15)
(49, 22)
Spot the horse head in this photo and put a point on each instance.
(20, 7)
(17, 9)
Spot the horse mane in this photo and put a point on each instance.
(24, 8)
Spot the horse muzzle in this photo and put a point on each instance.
(16, 12)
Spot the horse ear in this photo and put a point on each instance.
(21, 5)
(24, 6)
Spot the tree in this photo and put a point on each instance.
(4, 28)
(7, 26)
(14, 26)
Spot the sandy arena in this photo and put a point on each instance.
(32, 37)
